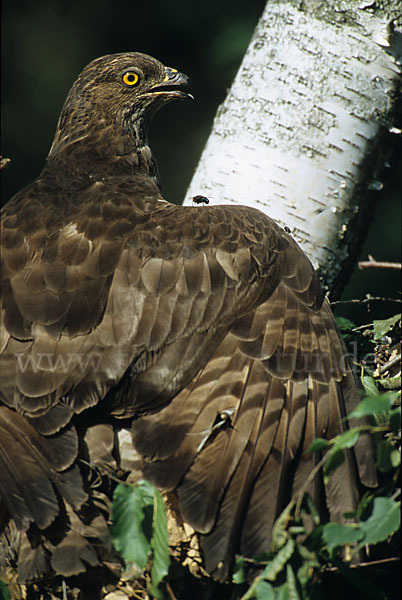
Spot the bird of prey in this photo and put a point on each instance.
(202, 330)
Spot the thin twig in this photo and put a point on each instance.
(391, 559)
(368, 563)
(312, 474)
(372, 263)
(390, 363)
(103, 471)
(170, 591)
(366, 300)
(360, 327)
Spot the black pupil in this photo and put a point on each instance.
(131, 77)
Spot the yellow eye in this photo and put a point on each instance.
(131, 78)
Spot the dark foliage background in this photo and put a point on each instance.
(46, 44)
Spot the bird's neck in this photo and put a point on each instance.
(101, 151)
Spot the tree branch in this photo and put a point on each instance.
(371, 263)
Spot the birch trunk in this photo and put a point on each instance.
(304, 133)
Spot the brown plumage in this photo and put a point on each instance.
(202, 328)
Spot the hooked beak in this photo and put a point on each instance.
(174, 85)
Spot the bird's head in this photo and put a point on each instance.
(114, 95)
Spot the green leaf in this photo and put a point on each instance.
(345, 326)
(239, 572)
(395, 419)
(264, 591)
(279, 531)
(383, 522)
(395, 458)
(278, 562)
(306, 571)
(318, 444)
(365, 505)
(4, 591)
(159, 544)
(335, 534)
(387, 456)
(282, 592)
(312, 509)
(291, 581)
(382, 327)
(139, 530)
(372, 405)
(347, 439)
(370, 386)
(314, 541)
(132, 522)
(344, 323)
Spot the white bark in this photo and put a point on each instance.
(301, 133)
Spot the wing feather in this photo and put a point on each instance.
(205, 327)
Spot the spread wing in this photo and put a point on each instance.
(204, 325)
(233, 443)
